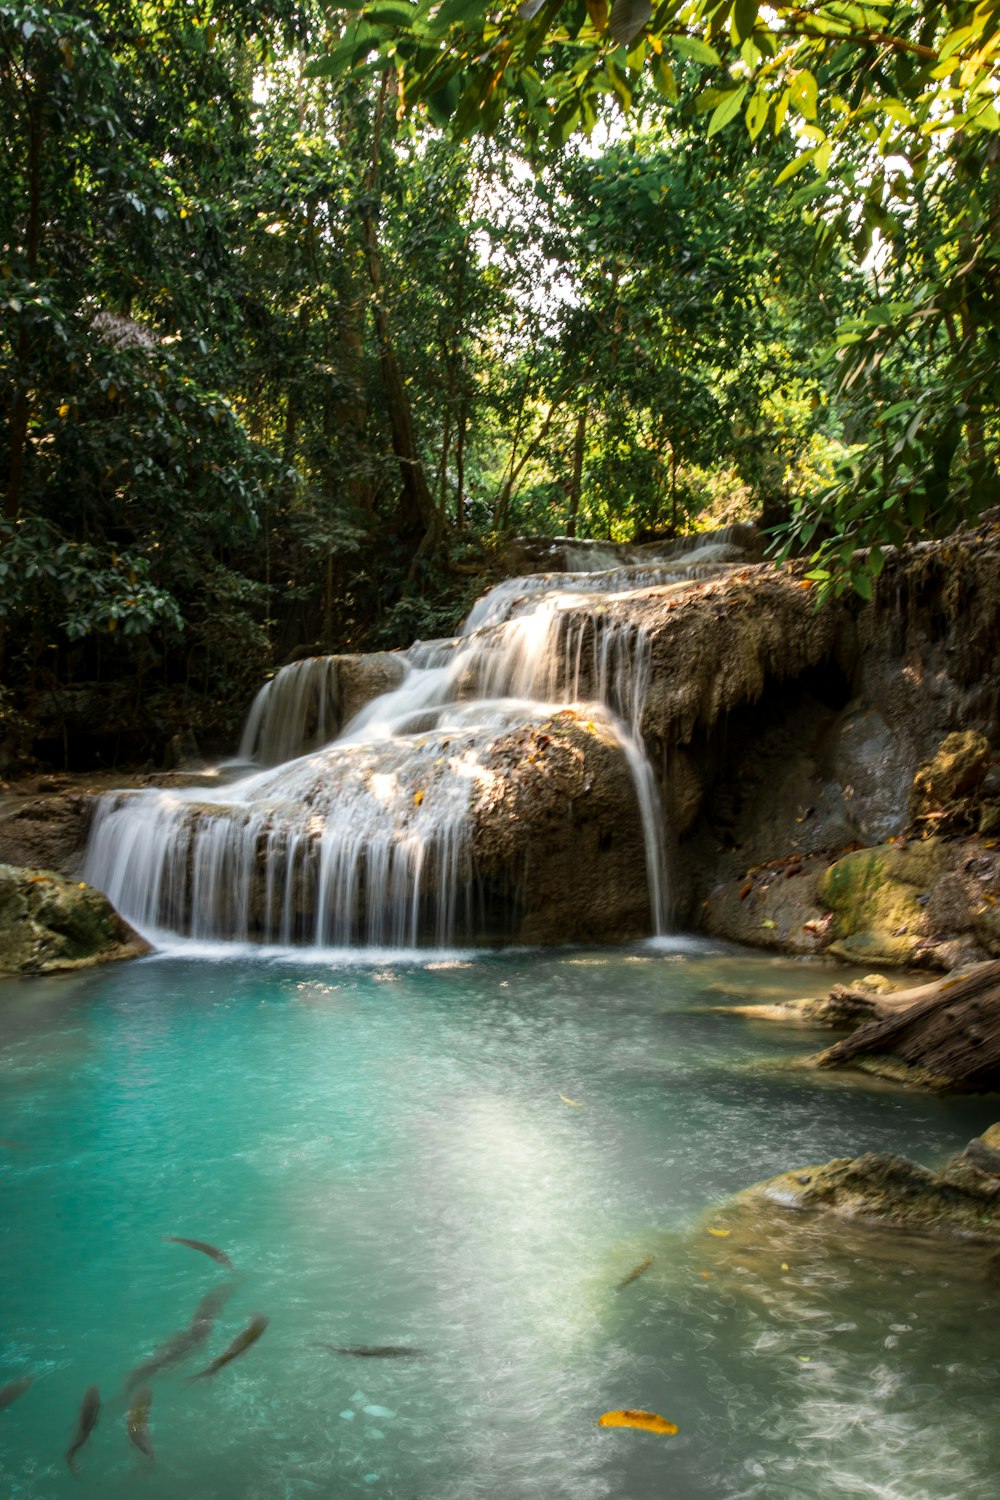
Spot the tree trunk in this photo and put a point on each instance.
(576, 477)
(418, 508)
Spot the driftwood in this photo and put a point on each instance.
(948, 1032)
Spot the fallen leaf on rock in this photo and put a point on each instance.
(646, 1421)
(418, 797)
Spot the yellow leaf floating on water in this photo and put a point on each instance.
(572, 1102)
(646, 1421)
(720, 1234)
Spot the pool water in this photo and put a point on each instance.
(466, 1157)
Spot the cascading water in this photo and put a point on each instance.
(368, 840)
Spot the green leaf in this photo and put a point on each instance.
(694, 48)
(861, 582)
(756, 115)
(390, 13)
(745, 18)
(628, 19)
(805, 93)
(794, 167)
(727, 108)
(666, 83)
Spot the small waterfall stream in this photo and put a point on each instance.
(365, 837)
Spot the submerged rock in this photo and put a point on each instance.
(48, 923)
(882, 1189)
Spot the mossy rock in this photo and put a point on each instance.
(887, 1190)
(48, 923)
(878, 897)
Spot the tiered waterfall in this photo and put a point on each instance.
(361, 833)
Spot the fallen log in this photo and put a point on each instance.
(944, 1035)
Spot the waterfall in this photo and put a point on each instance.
(296, 711)
(361, 833)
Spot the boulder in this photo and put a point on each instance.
(557, 833)
(890, 1191)
(773, 907)
(878, 897)
(48, 923)
(943, 788)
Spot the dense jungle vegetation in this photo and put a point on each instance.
(305, 311)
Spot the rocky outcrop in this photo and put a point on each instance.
(557, 834)
(891, 1192)
(48, 832)
(48, 923)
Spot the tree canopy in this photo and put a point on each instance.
(305, 311)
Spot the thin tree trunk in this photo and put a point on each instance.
(418, 503)
(21, 410)
(576, 477)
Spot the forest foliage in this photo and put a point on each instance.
(304, 311)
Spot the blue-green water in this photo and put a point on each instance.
(468, 1157)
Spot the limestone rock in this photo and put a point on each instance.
(775, 907)
(48, 833)
(878, 897)
(557, 834)
(958, 769)
(882, 1189)
(48, 923)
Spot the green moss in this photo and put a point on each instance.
(874, 896)
(49, 923)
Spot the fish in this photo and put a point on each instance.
(90, 1410)
(375, 1351)
(219, 1255)
(9, 1393)
(180, 1344)
(242, 1341)
(137, 1421)
(636, 1272)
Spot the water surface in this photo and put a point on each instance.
(466, 1156)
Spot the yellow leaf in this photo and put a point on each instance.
(418, 797)
(720, 1234)
(646, 1421)
(570, 1101)
(64, 410)
(705, 1275)
(784, 1265)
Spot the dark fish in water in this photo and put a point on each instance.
(137, 1421)
(636, 1272)
(219, 1255)
(374, 1351)
(10, 1393)
(180, 1344)
(90, 1410)
(242, 1341)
